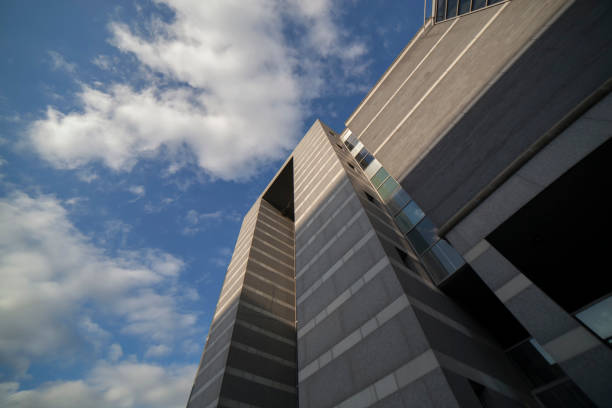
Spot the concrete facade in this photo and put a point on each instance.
(497, 125)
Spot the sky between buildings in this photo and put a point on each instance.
(133, 138)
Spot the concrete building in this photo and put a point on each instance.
(449, 247)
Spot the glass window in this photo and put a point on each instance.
(368, 158)
(362, 153)
(409, 217)
(476, 4)
(398, 200)
(451, 8)
(351, 142)
(598, 317)
(423, 235)
(441, 8)
(379, 177)
(464, 6)
(448, 257)
(387, 188)
(493, 2)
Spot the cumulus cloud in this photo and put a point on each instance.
(230, 92)
(50, 271)
(119, 385)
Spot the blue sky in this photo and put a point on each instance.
(133, 138)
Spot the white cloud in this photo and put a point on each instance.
(229, 90)
(158, 350)
(58, 62)
(197, 221)
(138, 191)
(115, 351)
(50, 270)
(105, 62)
(87, 176)
(122, 385)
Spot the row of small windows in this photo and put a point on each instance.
(440, 259)
(446, 9)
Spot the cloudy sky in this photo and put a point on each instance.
(133, 138)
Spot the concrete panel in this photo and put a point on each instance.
(503, 122)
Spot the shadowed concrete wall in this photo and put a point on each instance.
(250, 354)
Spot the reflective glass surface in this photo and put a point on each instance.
(464, 6)
(451, 8)
(441, 8)
(598, 317)
(423, 235)
(379, 177)
(398, 200)
(448, 257)
(351, 142)
(368, 158)
(476, 4)
(387, 188)
(409, 217)
(362, 153)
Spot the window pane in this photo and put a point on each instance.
(409, 217)
(423, 235)
(493, 2)
(398, 200)
(379, 177)
(387, 188)
(448, 257)
(451, 10)
(366, 161)
(362, 153)
(351, 142)
(598, 318)
(476, 4)
(441, 8)
(464, 6)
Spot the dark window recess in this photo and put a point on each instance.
(467, 289)
(351, 142)
(371, 199)
(561, 238)
(403, 255)
(351, 166)
(492, 399)
(367, 159)
(339, 145)
(362, 153)
(535, 367)
(565, 394)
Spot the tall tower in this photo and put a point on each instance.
(250, 352)
(446, 249)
